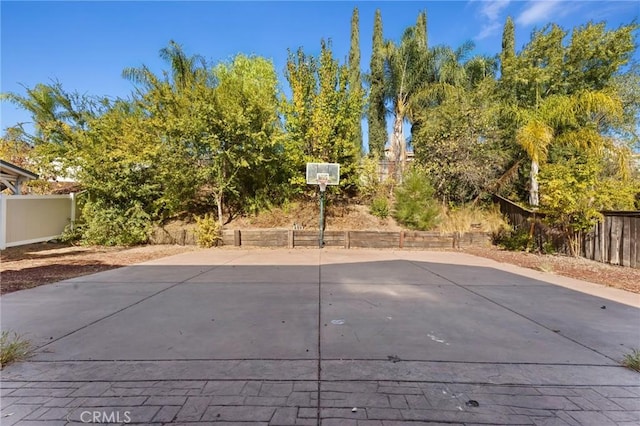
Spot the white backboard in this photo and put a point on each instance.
(319, 170)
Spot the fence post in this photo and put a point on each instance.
(3, 221)
(72, 196)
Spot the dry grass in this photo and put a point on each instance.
(305, 215)
(471, 218)
(13, 348)
(632, 360)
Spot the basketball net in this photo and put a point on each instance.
(322, 182)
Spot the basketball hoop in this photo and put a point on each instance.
(322, 174)
(323, 180)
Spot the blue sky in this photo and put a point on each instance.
(86, 45)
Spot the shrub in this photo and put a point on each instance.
(208, 232)
(72, 234)
(518, 240)
(115, 226)
(379, 207)
(415, 207)
(369, 182)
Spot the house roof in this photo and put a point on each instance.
(11, 175)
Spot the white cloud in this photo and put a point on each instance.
(491, 11)
(488, 30)
(538, 11)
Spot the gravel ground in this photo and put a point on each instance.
(37, 264)
(579, 268)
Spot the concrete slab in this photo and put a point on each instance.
(47, 313)
(445, 323)
(270, 274)
(605, 326)
(386, 272)
(203, 321)
(146, 274)
(465, 275)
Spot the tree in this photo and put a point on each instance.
(241, 124)
(15, 149)
(459, 144)
(595, 55)
(321, 118)
(407, 68)
(564, 93)
(355, 80)
(57, 115)
(507, 60)
(377, 111)
(574, 192)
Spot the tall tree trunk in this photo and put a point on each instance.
(534, 198)
(398, 144)
(219, 203)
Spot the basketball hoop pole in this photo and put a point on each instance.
(323, 187)
(322, 174)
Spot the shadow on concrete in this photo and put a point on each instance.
(379, 310)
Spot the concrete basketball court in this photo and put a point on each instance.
(330, 337)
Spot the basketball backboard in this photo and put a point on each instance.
(317, 172)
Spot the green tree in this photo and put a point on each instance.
(321, 118)
(459, 144)
(507, 60)
(377, 111)
(242, 142)
(120, 167)
(57, 115)
(577, 120)
(595, 55)
(407, 67)
(565, 94)
(574, 192)
(355, 80)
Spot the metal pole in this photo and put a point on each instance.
(321, 239)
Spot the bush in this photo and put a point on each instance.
(115, 226)
(379, 207)
(518, 240)
(415, 207)
(208, 232)
(72, 234)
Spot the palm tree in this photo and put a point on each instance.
(534, 138)
(406, 67)
(577, 120)
(185, 70)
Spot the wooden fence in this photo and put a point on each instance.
(353, 239)
(615, 240)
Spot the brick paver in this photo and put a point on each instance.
(343, 403)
